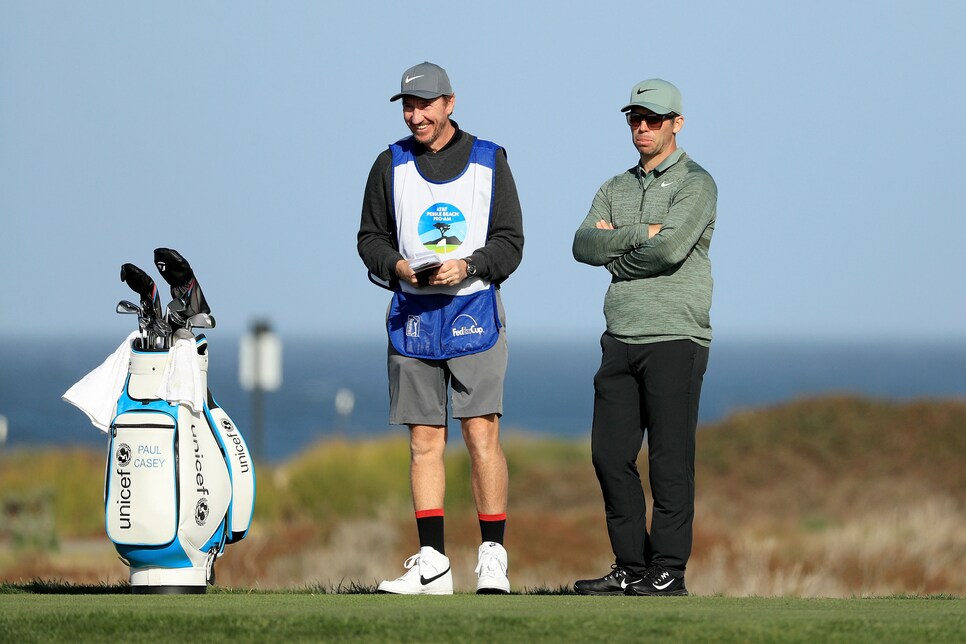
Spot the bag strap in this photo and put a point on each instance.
(383, 283)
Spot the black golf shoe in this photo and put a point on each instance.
(612, 583)
(657, 582)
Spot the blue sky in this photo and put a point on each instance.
(241, 134)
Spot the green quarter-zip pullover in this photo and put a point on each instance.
(660, 286)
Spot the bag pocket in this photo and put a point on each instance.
(242, 470)
(141, 497)
(439, 327)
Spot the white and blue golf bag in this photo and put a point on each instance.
(180, 482)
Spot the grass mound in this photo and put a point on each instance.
(835, 496)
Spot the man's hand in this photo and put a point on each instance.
(450, 273)
(604, 225)
(405, 273)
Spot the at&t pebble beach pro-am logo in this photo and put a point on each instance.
(442, 228)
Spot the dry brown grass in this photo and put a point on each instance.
(819, 498)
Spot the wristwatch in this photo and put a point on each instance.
(470, 266)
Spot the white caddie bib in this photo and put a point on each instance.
(450, 219)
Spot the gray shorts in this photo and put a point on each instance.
(418, 388)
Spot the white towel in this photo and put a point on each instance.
(181, 379)
(96, 393)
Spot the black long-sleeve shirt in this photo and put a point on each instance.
(376, 241)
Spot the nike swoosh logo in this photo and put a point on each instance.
(649, 89)
(425, 581)
(409, 80)
(665, 184)
(669, 582)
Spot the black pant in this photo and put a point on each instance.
(654, 388)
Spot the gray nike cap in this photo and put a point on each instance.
(659, 96)
(424, 80)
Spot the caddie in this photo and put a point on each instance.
(442, 227)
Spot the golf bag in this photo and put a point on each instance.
(180, 481)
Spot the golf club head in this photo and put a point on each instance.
(188, 298)
(142, 284)
(160, 328)
(202, 321)
(126, 307)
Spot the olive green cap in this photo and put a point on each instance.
(659, 96)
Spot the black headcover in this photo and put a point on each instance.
(142, 284)
(188, 298)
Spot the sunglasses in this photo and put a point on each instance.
(654, 121)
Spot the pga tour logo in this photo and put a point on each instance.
(412, 326)
(465, 325)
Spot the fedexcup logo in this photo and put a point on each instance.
(465, 325)
(123, 454)
(202, 511)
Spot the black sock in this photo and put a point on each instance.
(492, 527)
(429, 523)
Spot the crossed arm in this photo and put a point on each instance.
(642, 250)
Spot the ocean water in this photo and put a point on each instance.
(549, 388)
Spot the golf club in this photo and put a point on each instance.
(188, 299)
(126, 307)
(158, 331)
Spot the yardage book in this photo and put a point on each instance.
(424, 262)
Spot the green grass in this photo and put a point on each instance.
(304, 616)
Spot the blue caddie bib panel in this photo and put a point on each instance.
(450, 219)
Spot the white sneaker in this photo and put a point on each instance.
(491, 570)
(427, 573)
